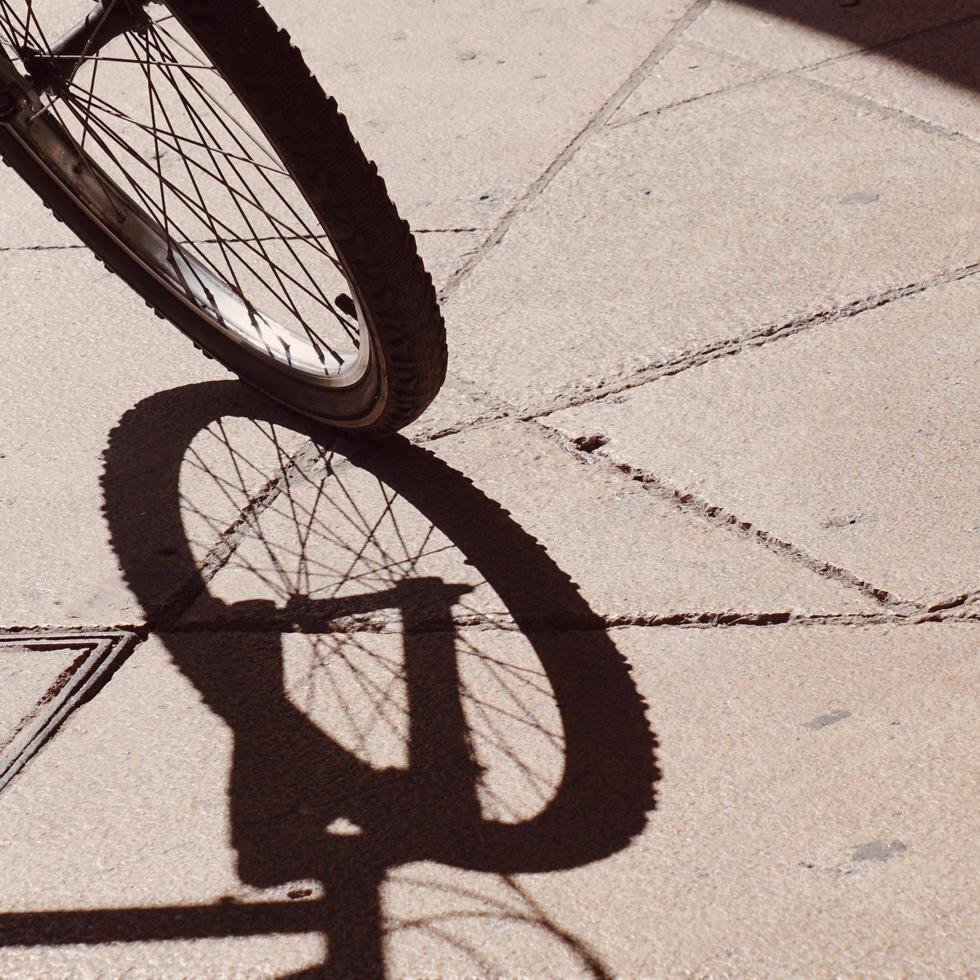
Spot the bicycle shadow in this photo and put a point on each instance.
(307, 801)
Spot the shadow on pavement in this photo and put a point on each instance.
(292, 779)
(900, 27)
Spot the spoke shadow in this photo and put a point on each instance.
(370, 730)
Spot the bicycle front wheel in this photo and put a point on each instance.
(188, 145)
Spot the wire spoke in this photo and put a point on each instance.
(203, 95)
(173, 149)
(126, 61)
(286, 241)
(148, 128)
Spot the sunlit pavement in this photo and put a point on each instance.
(649, 651)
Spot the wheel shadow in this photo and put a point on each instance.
(353, 564)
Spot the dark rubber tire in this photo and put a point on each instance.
(311, 136)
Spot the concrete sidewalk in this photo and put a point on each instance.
(651, 651)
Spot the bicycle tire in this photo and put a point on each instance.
(266, 72)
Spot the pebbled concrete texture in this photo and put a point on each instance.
(650, 650)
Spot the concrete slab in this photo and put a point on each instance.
(46, 677)
(267, 784)
(81, 351)
(894, 76)
(802, 32)
(505, 88)
(768, 203)
(342, 537)
(856, 441)
(185, 800)
(688, 72)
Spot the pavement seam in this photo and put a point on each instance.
(769, 73)
(595, 124)
(224, 548)
(447, 231)
(699, 356)
(690, 503)
(469, 425)
(210, 241)
(892, 112)
(42, 248)
(751, 341)
(539, 624)
(654, 113)
(101, 653)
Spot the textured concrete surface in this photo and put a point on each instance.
(892, 78)
(786, 35)
(683, 230)
(64, 397)
(688, 72)
(814, 804)
(429, 91)
(650, 651)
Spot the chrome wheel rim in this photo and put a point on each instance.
(151, 140)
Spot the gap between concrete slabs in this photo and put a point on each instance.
(97, 655)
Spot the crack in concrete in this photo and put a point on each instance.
(962, 601)
(454, 429)
(653, 113)
(74, 630)
(213, 241)
(447, 231)
(691, 503)
(596, 123)
(41, 248)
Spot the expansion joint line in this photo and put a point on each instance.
(736, 345)
(690, 503)
(544, 623)
(559, 623)
(703, 355)
(611, 105)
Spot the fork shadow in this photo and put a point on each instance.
(459, 705)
